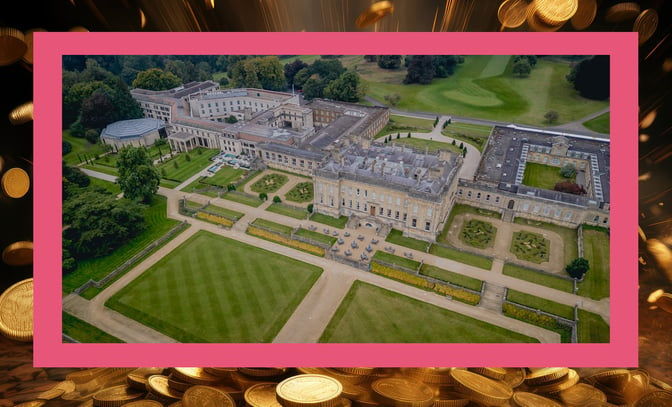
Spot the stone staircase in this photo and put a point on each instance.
(492, 297)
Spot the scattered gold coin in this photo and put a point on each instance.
(511, 13)
(15, 183)
(646, 25)
(16, 311)
(374, 13)
(585, 14)
(18, 254)
(621, 12)
(12, 45)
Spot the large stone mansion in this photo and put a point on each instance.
(378, 185)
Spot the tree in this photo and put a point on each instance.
(263, 196)
(185, 70)
(392, 99)
(464, 152)
(231, 187)
(313, 88)
(327, 69)
(398, 136)
(444, 65)
(260, 72)
(570, 188)
(292, 69)
(461, 145)
(156, 79)
(409, 135)
(436, 121)
(309, 208)
(370, 58)
(453, 143)
(97, 111)
(568, 171)
(92, 136)
(138, 179)
(301, 77)
(67, 147)
(231, 119)
(522, 67)
(551, 116)
(389, 61)
(276, 199)
(591, 77)
(347, 88)
(420, 70)
(578, 267)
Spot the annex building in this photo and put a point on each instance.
(381, 186)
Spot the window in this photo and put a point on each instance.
(496, 199)
(381, 212)
(396, 215)
(398, 201)
(366, 207)
(459, 192)
(357, 205)
(596, 218)
(343, 202)
(382, 197)
(389, 199)
(526, 206)
(415, 208)
(414, 222)
(547, 210)
(478, 195)
(536, 209)
(404, 217)
(357, 191)
(389, 213)
(427, 224)
(468, 194)
(294, 161)
(605, 220)
(366, 193)
(558, 212)
(350, 203)
(568, 215)
(373, 196)
(429, 212)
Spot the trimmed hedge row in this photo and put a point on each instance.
(286, 241)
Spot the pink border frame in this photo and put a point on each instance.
(48, 349)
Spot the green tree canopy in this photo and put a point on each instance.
(347, 88)
(522, 67)
(97, 111)
(578, 267)
(313, 88)
(156, 79)
(591, 77)
(420, 70)
(260, 72)
(292, 69)
(389, 61)
(138, 179)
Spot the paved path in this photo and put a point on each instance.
(319, 305)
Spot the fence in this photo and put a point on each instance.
(133, 260)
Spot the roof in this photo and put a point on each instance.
(132, 128)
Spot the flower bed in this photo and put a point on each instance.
(285, 241)
(218, 220)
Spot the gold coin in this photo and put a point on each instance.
(580, 394)
(309, 390)
(430, 375)
(116, 396)
(360, 371)
(50, 394)
(15, 182)
(18, 254)
(205, 396)
(535, 23)
(12, 45)
(556, 12)
(21, 114)
(374, 13)
(496, 373)
(138, 378)
(16, 311)
(402, 392)
(220, 371)
(524, 399)
(555, 387)
(177, 385)
(545, 375)
(158, 386)
(28, 39)
(481, 389)
(449, 398)
(344, 377)
(511, 13)
(262, 395)
(144, 403)
(611, 379)
(33, 403)
(655, 399)
(262, 371)
(646, 25)
(585, 14)
(621, 12)
(514, 377)
(659, 383)
(194, 375)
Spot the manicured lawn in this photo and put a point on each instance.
(194, 206)
(451, 277)
(157, 225)
(592, 328)
(396, 236)
(537, 277)
(569, 236)
(269, 183)
(105, 169)
(542, 304)
(287, 210)
(329, 220)
(478, 233)
(474, 134)
(530, 246)
(459, 209)
(242, 294)
(462, 257)
(543, 176)
(225, 176)
(396, 260)
(420, 144)
(599, 124)
(372, 314)
(227, 213)
(596, 249)
(316, 236)
(301, 192)
(185, 168)
(276, 227)
(111, 187)
(82, 147)
(243, 198)
(485, 87)
(404, 124)
(84, 332)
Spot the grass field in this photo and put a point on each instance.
(419, 144)
(105, 169)
(542, 304)
(287, 210)
(372, 314)
(396, 236)
(596, 249)
(404, 124)
(569, 236)
(225, 176)
(226, 212)
(538, 277)
(485, 87)
(316, 236)
(111, 187)
(329, 220)
(82, 147)
(84, 332)
(592, 328)
(396, 260)
(157, 225)
(243, 198)
(451, 277)
(543, 176)
(276, 227)
(599, 124)
(243, 294)
(474, 134)
(462, 257)
(185, 169)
